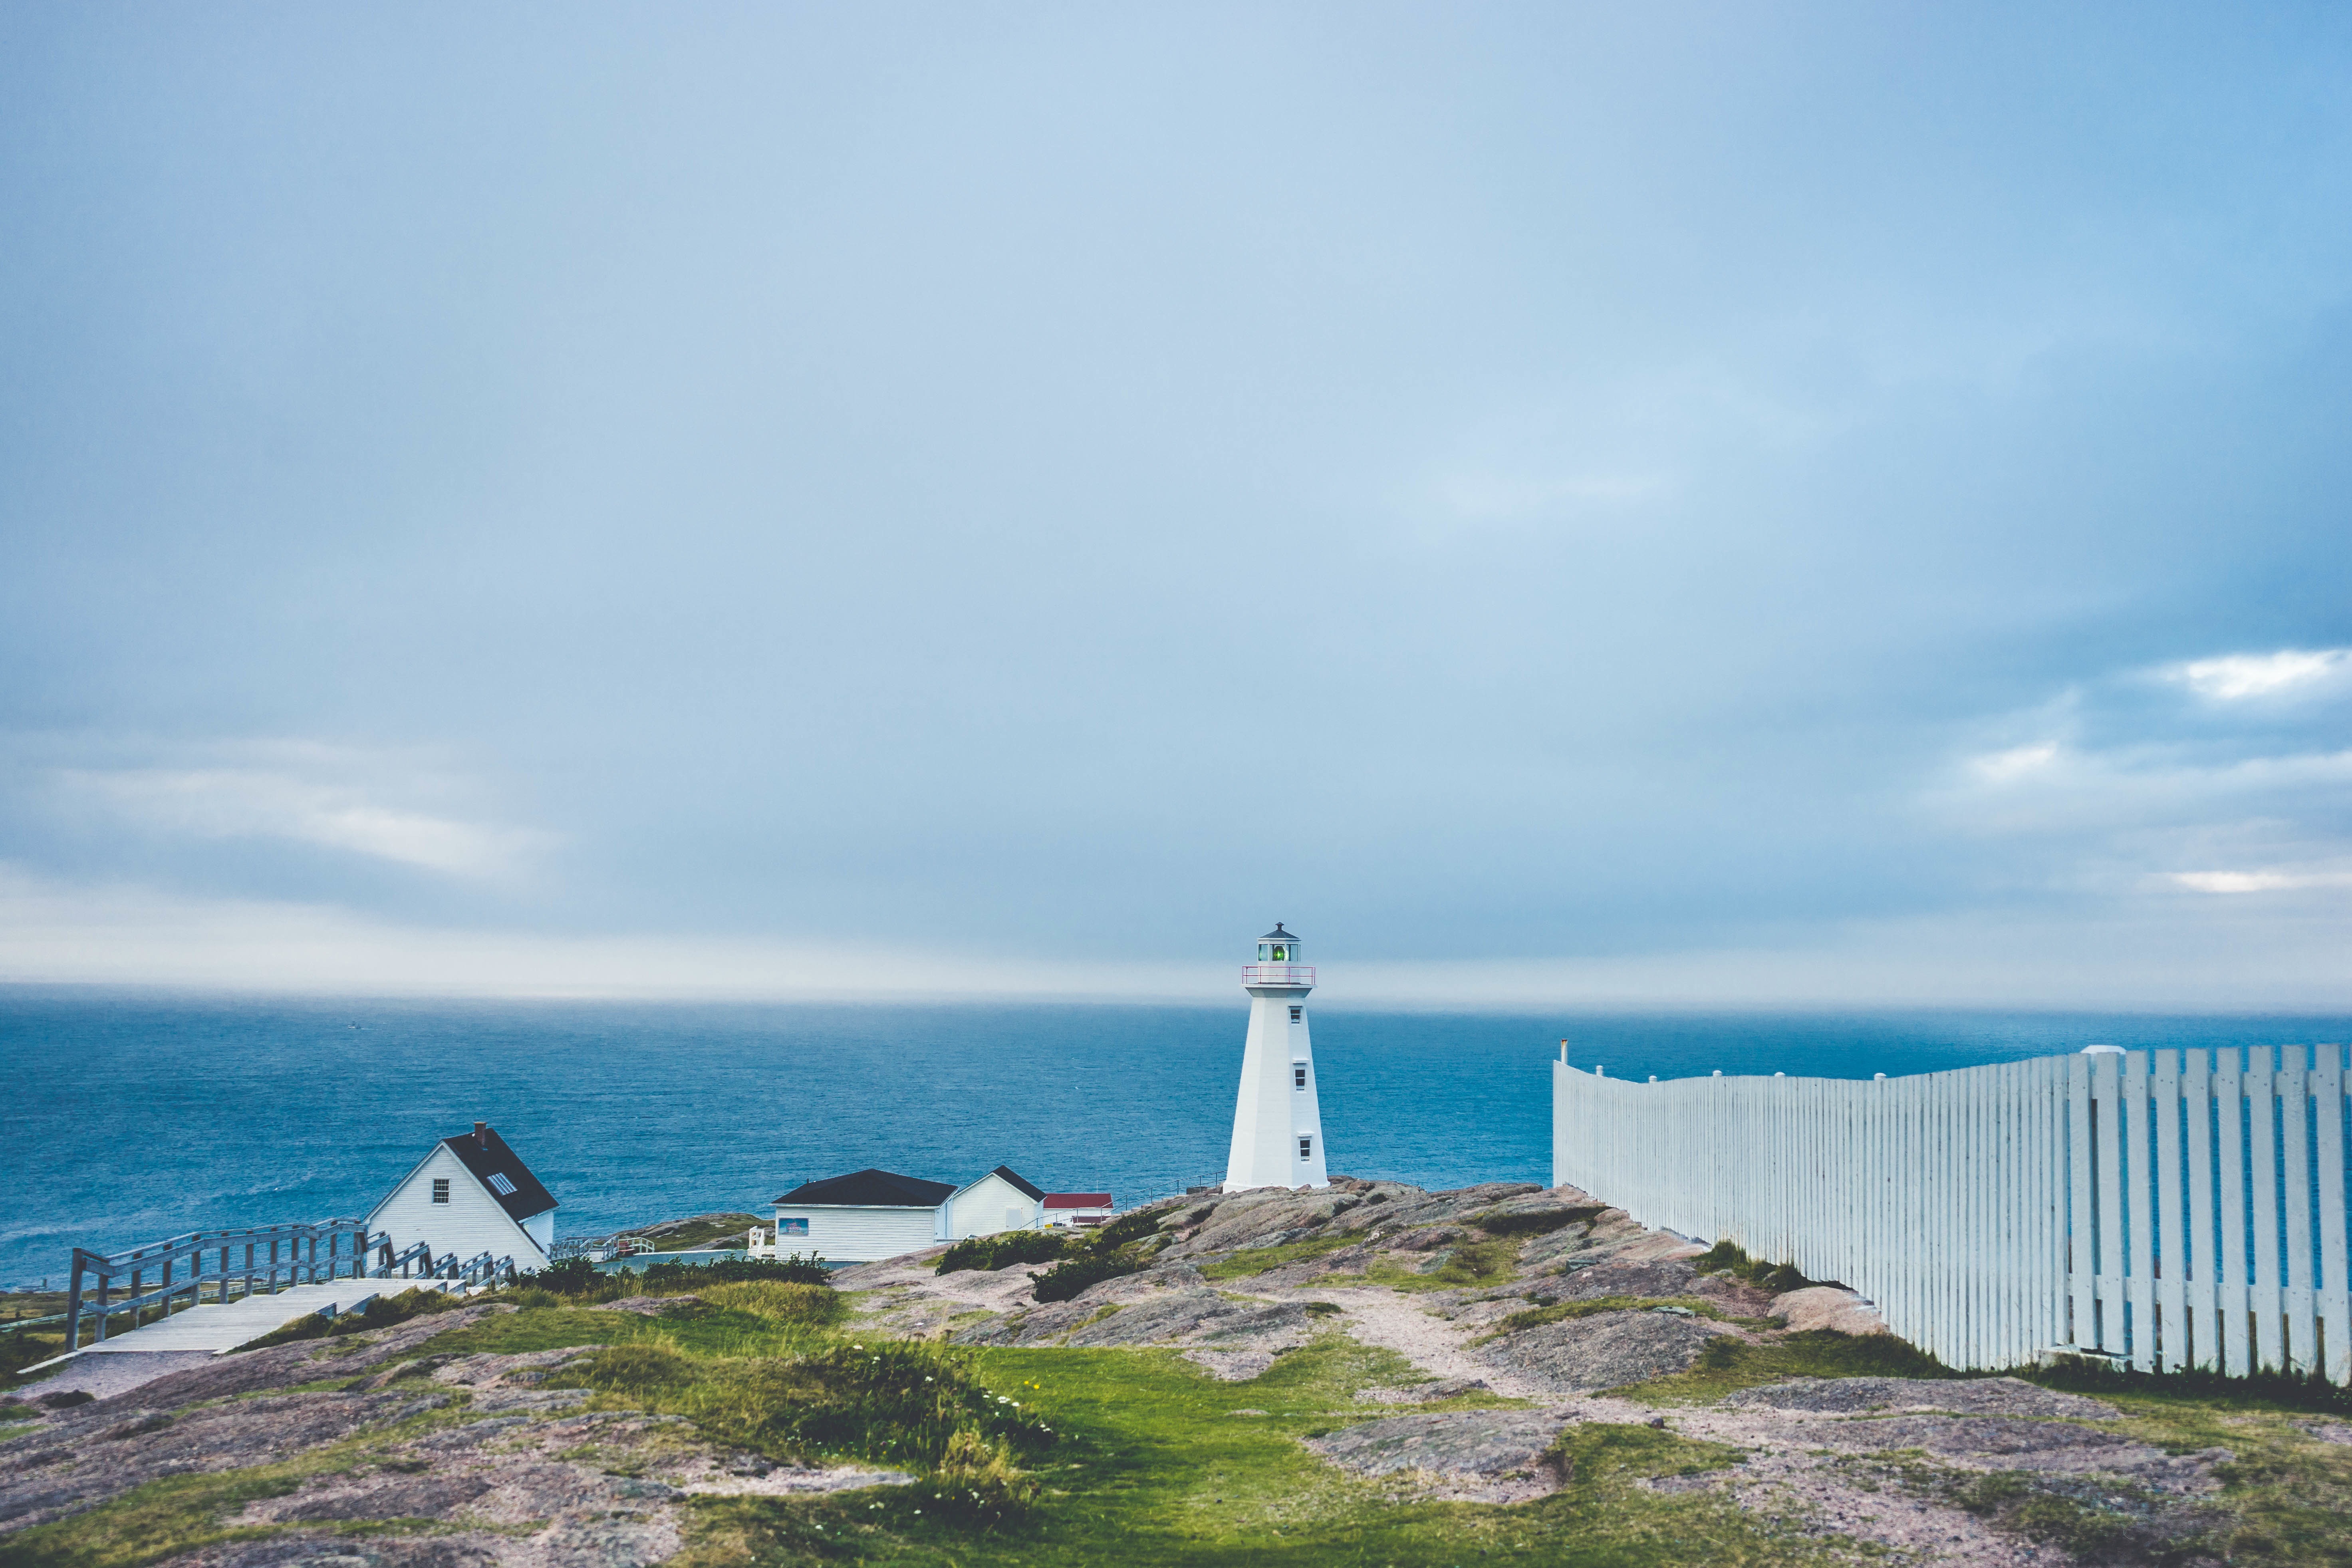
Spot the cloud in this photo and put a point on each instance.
(2258, 882)
(2239, 676)
(2017, 763)
(355, 802)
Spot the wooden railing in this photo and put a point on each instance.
(256, 1259)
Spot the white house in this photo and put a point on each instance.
(870, 1215)
(999, 1200)
(857, 1218)
(471, 1195)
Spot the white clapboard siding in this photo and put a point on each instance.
(470, 1224)
(2174, 1209)
(842, 1233)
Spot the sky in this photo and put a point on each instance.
(1680, 506)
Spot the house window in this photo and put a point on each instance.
(1296, 1013)
(1306, 1148)
(1299, 1075)
(500, 1185)
(792, 1228)
(440, 1189)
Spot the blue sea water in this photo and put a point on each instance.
(132, 1115)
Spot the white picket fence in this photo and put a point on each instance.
(2183, 1210)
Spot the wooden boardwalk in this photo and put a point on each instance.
(215, 1327)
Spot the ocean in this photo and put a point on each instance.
(132, 1115)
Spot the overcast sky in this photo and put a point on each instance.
(1676, 504)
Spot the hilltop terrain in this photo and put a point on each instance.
(1371, 1373)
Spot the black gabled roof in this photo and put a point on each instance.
(1017, 1180)
(528, 1198)
(1278, 934)
(871, 1188)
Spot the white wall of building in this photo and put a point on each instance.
(1277, 1119)
(845, 1234)
(470, 1224)
(989, 1206)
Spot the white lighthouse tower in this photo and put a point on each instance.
(1278, 1125)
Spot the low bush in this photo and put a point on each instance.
(1127, 1227)
(785, 1301)
(382, 1313)
(1066, 1279)
(1779, 1279)
(1536, 1222)
(1002, 1250)
(675, 1279)
(572, 1276)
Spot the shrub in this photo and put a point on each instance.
(1536, 1222)
(676, 1278)
(891, 1400)
(1002, 1250)
(572, 1276)
(1780, 1279)
(785, 1300)
(1127, 1227)
(1066, 1279)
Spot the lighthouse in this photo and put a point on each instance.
(1278, 1125)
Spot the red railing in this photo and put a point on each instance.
(1278, 974)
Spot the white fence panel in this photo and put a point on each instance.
(2183, 1209)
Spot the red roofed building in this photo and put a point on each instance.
(1084, 1210)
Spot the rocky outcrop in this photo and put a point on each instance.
(1607, 1350)
(509, 1472)
(1475, 1455)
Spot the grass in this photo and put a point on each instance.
(1153, 1467)
(1243, 1262)
(1728, 1364)
(1003, 1250)
(1470, 1264)
(677, 1235)
(1561, 1311)
(383, 1312)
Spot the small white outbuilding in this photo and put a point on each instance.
(999, 1200)
(871, 1214)
(469, 1196)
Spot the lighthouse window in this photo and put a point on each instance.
(1306, 1148)
(1299, 1075)
(1296, 1014)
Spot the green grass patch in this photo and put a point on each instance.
(1003, 1250)
(1154, 1468)
(1242, 1262)
(1728, 1364)
(1561, 1311)
(1469, 1265)
(383, 1312)
(1596, 1451)
(677, 1235)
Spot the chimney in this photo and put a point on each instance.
(482, 1136)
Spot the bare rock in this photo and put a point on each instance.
(1828, 1307)
(1483, 1456)
(1606, 1349)
(1623, 1277)
(1967, 1396)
